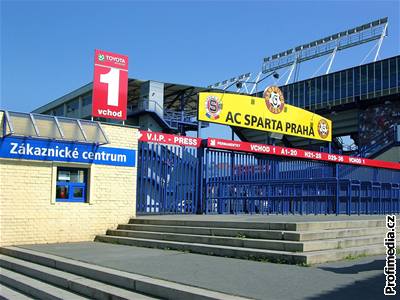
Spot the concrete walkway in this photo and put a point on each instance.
(352, 279)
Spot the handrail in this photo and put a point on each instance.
(380, 141)
(171, 117)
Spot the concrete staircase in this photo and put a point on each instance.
(294, 243)
(27, 274)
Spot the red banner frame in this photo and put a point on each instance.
(299, 153)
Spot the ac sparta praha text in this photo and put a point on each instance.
(268, 124)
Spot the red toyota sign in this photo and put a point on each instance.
(110, 85)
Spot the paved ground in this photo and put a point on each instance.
(264, 218)
(356, 279)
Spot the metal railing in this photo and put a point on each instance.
(381, 141)
(171, 117)
(237, 182)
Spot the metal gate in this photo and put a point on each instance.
(168, 181)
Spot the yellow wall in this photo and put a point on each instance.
(29, 214)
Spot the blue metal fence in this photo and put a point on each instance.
(237, 182)
(167, 179)
(183, 180)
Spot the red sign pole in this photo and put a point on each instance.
(110, 85)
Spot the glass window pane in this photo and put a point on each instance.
(59, 111)
(93, 132)
(62, 192)
(378, 76)
(350, 85)
(385, 74)
(78, 192)
(71, 129)
(337, 86)
(73, 108)
(357, 81)
(22, 124)
(295, 100)
(343, 85)
(318, 97)
(363, 80)
(307, 94)
(301, 94)
(47, 126)
(87, 100)
(393, 72)
(371, 78)
(325, 89)
(330, 88)
(312, 92)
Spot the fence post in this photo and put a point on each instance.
(199, 182)
(337, 189)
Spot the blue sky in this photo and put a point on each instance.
(47, 47)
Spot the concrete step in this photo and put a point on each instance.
(258, 233)
(134, 282)
(281, 245)
(332, 233)
(288, 226)
(77, 284)
(34, 287)
(311, 257)
(7, 293)
(317, 257)
(217, 250)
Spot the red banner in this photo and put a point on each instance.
(110, 85)
(299, 153)
(172, 139)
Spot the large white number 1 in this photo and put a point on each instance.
(112, 79)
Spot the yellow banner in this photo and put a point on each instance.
(266, 114)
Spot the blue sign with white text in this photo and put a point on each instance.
(50, 150)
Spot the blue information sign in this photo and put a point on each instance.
(50, 150)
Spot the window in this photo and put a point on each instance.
(350, 86)
(325, 89)
(371, 78)
(59, 111)
(87, 100)
(393, 72)
(385, 74)
(71, 185)
(343, 85)
(337, 86)
(356, 81)
(363, 80)
(73, 108)
(378, 77)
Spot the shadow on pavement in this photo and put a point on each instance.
(377, 264)
(367, 289)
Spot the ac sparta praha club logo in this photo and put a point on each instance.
(323, 128)
(274, 99)
(213, 107)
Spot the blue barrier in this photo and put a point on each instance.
(238, 182)
(184, 180)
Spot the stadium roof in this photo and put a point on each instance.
(173, 94)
